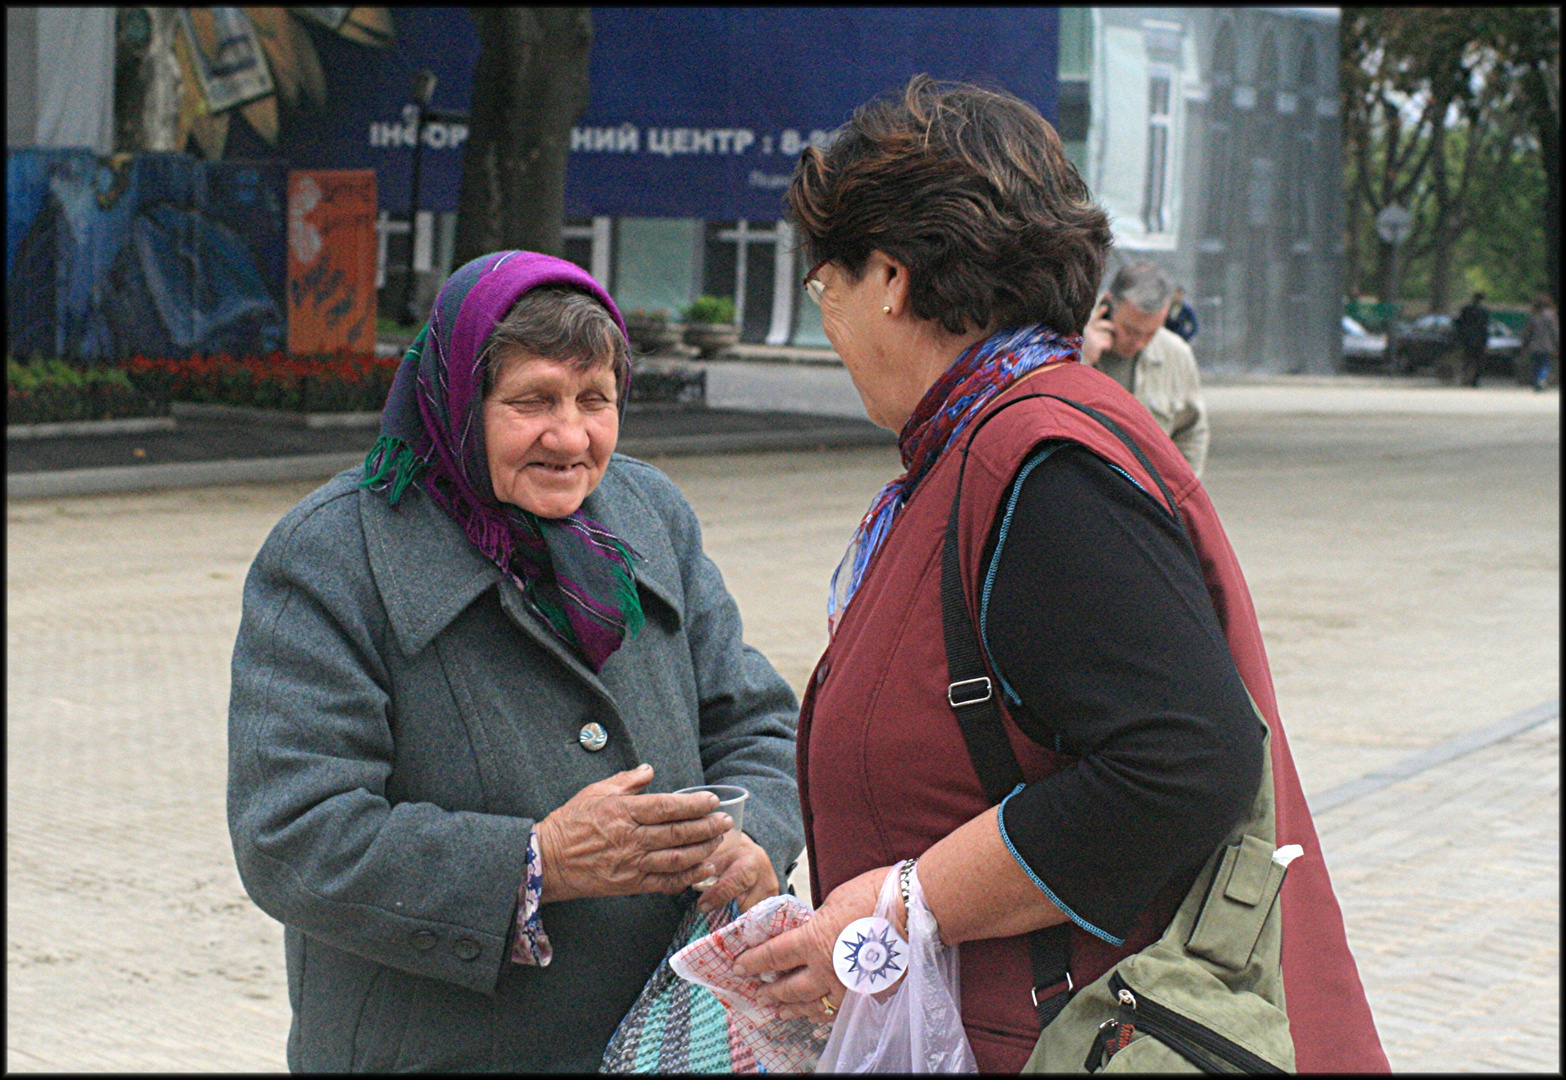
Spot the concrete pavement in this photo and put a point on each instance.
(1404, 563)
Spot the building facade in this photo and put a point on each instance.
(1214, 143)
(1210, 135)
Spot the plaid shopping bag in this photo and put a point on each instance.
(676, 1026)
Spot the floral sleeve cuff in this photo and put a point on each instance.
(531, 944)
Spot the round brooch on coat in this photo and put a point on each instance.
(870, 955)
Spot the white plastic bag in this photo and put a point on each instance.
(918, 1025)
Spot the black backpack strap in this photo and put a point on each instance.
(971, 694)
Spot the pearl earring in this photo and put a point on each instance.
(887, 308)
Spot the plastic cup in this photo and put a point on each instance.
(731, 801)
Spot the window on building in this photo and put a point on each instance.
(1074, 71)
(657, 264)
(1074, 117)
(1160, 84)
(1267, 77)
(1076, 43)
(1303, 171)
(578, 237)
(1219, 143)
(1307, 79)
(741, 264)
(807, 323)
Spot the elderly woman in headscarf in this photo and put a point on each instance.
(1035, 703)
(467, 682)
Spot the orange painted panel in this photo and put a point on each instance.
(331, 261)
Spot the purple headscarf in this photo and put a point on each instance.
(575, 574)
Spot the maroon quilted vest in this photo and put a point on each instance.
(884, 772)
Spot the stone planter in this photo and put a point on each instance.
(653, 335)
(710, 339)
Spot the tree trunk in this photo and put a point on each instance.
(1444, 232)
(1545, 115)
(160, 111)
(147, 88)
(529, 88)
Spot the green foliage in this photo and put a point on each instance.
(49, 391)
(712, 310)
(1503, 255)
(1450, 112)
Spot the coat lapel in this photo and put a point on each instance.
(426, 569)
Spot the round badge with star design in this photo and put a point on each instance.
(870, 955)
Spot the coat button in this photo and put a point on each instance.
(423, 940)
(468, 949)
(592, 737)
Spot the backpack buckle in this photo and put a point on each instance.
(980, 691)
(1070, 989)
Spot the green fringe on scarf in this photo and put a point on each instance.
(626, 598)
(625, 595)
(392, 459)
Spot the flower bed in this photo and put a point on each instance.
(52, 391)
(286, 383)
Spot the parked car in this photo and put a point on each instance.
(1361, 348)
(1430, 341)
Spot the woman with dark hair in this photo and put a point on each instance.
(955, 255)
(468, 681)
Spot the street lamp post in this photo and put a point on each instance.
(1394, 225)
(423, 91)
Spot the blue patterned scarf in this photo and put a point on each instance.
(984, 370)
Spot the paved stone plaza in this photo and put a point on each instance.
(1402, 546)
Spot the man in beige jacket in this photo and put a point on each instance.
(1127, 341)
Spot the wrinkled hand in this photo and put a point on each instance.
(1098, 337)
(611, 841)
(803, 956)
(743, 871)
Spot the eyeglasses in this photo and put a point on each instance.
(812, 284)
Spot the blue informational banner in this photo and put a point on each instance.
(695, 112)
(702, 112)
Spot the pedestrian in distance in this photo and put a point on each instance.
(1541, 342)
(1471, 334)
(1032, 563)
(1182, 317)
(1128, 339)
(469, 678)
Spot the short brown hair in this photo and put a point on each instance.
(558, 322)
(968, 187)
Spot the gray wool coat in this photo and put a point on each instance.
(398, 722)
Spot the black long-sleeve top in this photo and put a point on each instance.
(1098, 622)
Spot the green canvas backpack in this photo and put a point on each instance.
(1207, 996)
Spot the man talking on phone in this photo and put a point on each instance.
(1126, 340)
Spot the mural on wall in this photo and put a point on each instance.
(158, 255)
(331, 261)
(260, 64)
